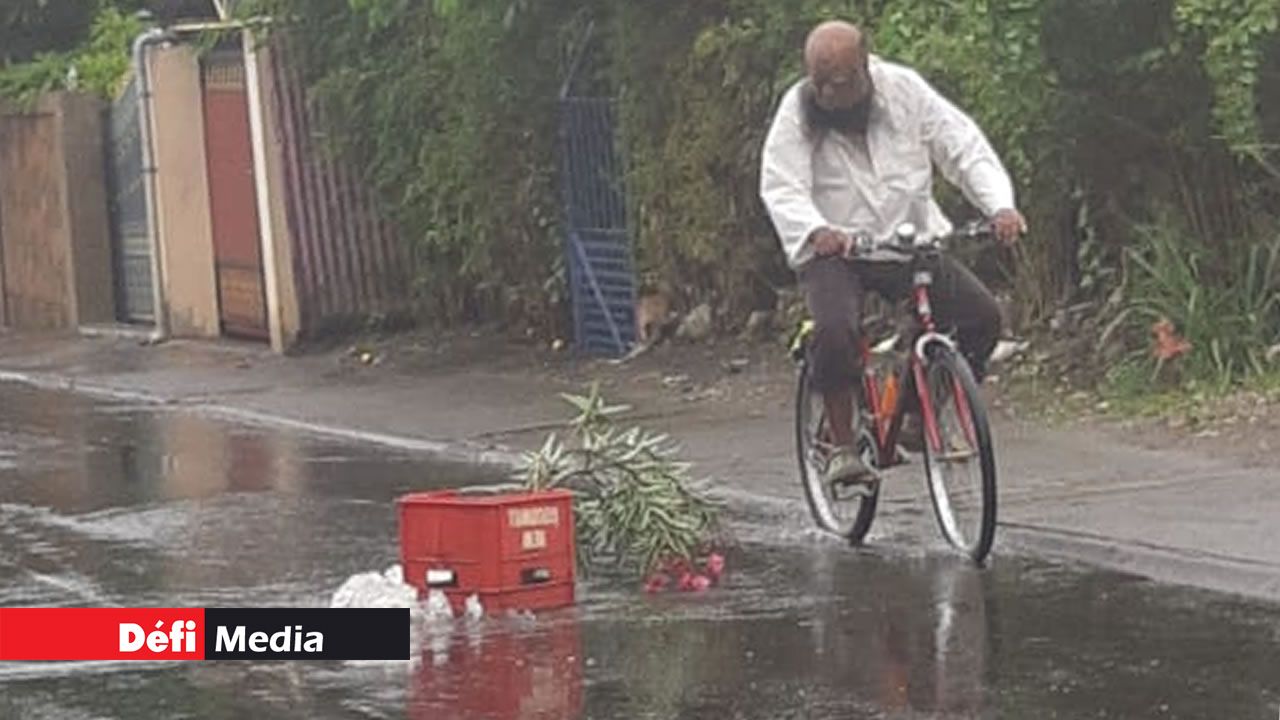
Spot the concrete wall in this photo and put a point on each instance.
(185, 228)
(54, 236)
(85, 159)
(283, 316)
(35, 227)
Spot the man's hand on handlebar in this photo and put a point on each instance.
(829, 241)
(1008, 225)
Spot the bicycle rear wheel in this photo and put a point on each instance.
(847, 516)
(958, 455)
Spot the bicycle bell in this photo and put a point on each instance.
(905, 235)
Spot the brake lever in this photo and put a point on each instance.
(859, 244)
(977, 228)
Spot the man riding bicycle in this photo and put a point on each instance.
(852, 147)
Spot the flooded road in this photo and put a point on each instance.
(104, 504)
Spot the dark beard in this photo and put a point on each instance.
(819, 120)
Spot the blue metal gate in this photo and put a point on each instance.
(597, 247)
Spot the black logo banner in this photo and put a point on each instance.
(306, 634)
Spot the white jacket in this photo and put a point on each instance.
(831, 181)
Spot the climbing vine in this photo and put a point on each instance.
(1233, 33)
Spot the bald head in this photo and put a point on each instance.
(839, 92)
(834, 46)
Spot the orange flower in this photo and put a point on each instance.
(1168, 344)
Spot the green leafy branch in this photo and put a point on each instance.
(636, 507)
(100, 66)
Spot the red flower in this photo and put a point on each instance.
(686, 581)
(656, 583)
(699, 583)
(715, 566)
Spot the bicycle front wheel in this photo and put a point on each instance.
(958, 456)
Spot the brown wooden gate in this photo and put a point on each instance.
(348, 262)
(237, 247)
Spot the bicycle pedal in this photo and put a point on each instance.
(856, 490)
(899, 458)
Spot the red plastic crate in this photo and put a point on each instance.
(515, 550)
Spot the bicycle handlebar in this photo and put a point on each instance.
(907, 243)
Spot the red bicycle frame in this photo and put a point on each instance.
(909, 378)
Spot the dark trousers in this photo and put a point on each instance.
(834, 290)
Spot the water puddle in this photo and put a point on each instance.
(136, 508)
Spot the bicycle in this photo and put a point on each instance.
(957, 436)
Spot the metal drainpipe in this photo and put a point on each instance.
(154, 36)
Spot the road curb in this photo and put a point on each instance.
(1156, 562)
(460, 451)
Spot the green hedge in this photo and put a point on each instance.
(1115, 116)
(66, 46)
(1100, 108)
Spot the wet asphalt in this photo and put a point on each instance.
(106, 504)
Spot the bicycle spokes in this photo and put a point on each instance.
(928, 411)
(953, 427)
(963, 411)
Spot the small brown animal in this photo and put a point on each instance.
(654, 323)
(653, 315)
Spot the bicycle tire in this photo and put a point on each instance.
(977, 545)
(820, 505)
